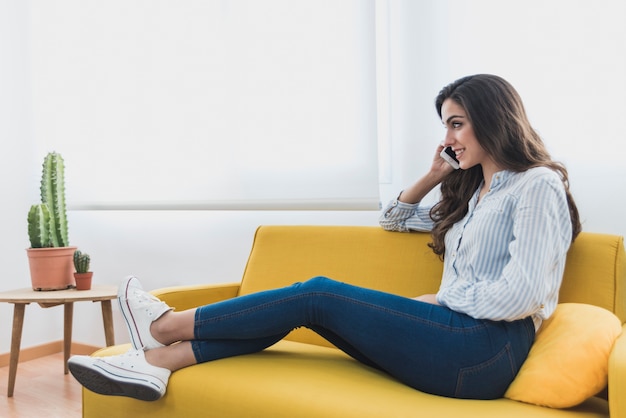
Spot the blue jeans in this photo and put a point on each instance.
(428, 347)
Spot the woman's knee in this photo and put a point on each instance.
(318, 283)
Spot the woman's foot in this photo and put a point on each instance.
(139, 309)
(127, 374)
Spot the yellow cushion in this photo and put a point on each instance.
(568, 362)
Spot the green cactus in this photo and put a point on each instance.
(39, 226)
(53, 195)
(81, 261)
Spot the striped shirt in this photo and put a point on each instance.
(505, 259)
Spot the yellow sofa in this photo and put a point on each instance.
(304, 376)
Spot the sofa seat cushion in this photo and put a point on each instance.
(278, 381)
(569, 360)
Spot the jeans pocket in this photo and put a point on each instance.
(489, 379)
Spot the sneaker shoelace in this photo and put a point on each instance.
(146, 301)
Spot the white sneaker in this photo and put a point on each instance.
(139, 309)
(126, 374)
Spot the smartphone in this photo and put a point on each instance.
(448, 155)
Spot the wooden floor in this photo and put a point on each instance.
(41, 390)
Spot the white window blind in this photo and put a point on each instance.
(208, 104)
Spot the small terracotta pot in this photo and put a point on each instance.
(51, 268)
(83, 280)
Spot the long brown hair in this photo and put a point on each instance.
(501, 126)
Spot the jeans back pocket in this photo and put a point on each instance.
(489, 379)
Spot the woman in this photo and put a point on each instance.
(503, 227)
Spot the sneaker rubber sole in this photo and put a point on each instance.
(104, 382)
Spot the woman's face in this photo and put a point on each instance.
(461, 138)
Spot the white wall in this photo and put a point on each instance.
(565, 57)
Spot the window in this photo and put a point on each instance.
(208, 104)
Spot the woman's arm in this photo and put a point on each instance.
(404, 213)
(418, 190)
(439, 169)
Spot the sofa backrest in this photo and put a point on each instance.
(595, 272)
(403, 264)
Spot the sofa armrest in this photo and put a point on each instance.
(617, 377)
(187, 297)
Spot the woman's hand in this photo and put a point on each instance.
(440, 167)
(428, 298)
(438, 171)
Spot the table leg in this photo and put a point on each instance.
(16, 340)
(67, 333)
(107, 319)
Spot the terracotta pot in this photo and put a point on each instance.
(51, 268)
(83, 280)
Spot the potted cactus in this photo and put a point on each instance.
(50, 256)
(82, 275)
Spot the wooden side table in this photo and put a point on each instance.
(22, 297)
